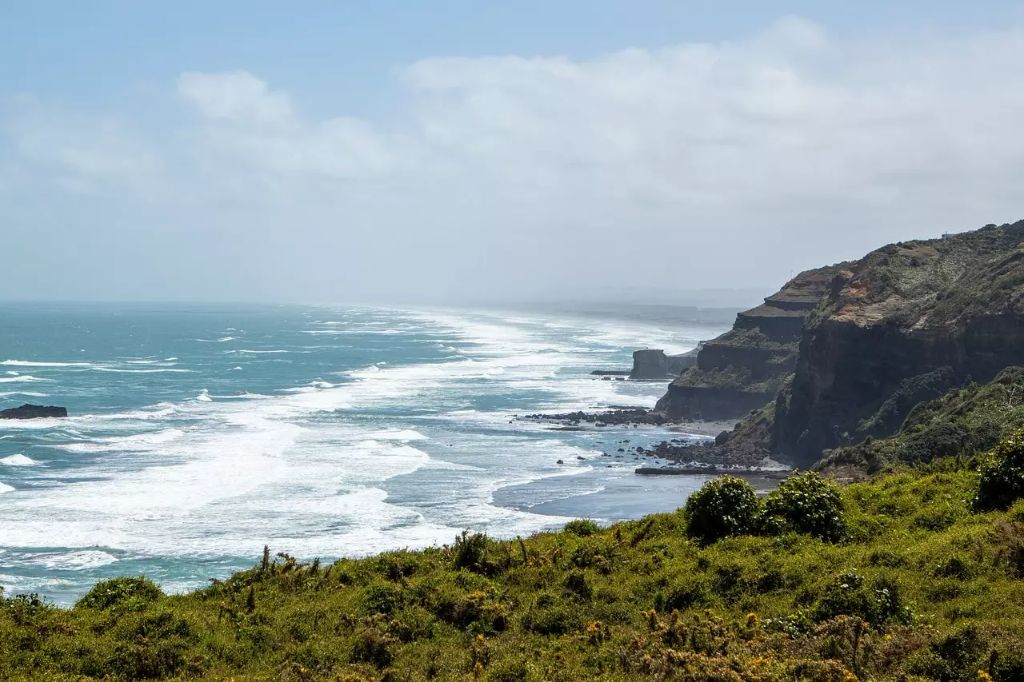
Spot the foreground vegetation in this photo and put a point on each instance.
(911, 576)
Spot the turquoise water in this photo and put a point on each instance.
(200, 433)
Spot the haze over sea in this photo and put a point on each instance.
(200, 433)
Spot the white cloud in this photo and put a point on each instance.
(81, 153)
(702, 164)
(235, 96)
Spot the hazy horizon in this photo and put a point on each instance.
(724, 299)
(460, 153)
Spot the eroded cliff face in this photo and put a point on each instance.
(744, 368)
(902, 325)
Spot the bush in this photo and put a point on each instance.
(374, 647)
(469, 551)
(850, 595)
(805, 503)
(576, 583)
(382, 598)
(152, 644)
(550, 616)
(723, 507)
(128, 593)
(582, 527)
(509, 671)
(1002, 474)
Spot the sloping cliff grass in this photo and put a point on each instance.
(922, 587)
(960, 423)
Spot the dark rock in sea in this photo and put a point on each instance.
(655, 365)
(28, 411)
(610, 373)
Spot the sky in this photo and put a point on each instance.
(465, 151)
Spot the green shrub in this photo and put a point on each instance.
(129, 593)
(955, 657)
(683, 594)
(469, 551)
(514, 670)
(382, 598)
(954, 567)
(805, 503)
(551, 616)
(576, 584)
(850, 595)
(1002, 474)
(723, 507)
(582, 527)
(24, 609)
(152, 644)
(374, 647)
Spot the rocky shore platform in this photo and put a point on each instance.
(686, 455)
(612, 417)
(769, 474)
(630, 417)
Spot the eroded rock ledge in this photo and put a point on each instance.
(745, 367)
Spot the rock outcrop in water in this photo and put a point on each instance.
(903, 325)
(656, 365)
(28, 411)
(745, 367)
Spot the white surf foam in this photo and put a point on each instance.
(4, 488)
(17, 460)
(20, 378)
(155, 370)
(78, 560)
(33, 363)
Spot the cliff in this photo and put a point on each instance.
(903, 325)
(745, 367)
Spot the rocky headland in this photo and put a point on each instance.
(745, 367)
(845, 358)
(906, 324)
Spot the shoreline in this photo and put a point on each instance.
(693, 452)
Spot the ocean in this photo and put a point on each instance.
(198, 434)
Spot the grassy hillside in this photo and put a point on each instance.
(921, 587)
(962, 422)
